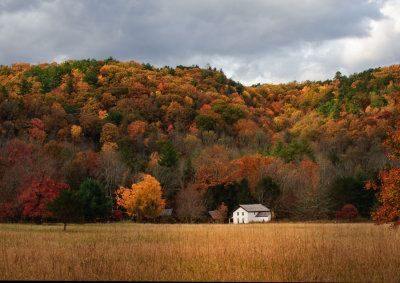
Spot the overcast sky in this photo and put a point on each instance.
(267, 41)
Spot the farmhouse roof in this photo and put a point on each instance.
(254, 207)
(166, 212)
(215, 214)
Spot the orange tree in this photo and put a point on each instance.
(142, 200)
(388, 193)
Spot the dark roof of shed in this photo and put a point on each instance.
(215, 214)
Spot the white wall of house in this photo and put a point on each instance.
(242, 216)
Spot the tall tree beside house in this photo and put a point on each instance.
(313, 201)
(267, 192)
(142, 200)
(190, 204)
(231, 195)
(223, 210)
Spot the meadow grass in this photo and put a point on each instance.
(201, 252)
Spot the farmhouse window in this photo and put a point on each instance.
(242, 213)
(238, 213)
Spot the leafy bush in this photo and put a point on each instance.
(116, 215)
(348, 211)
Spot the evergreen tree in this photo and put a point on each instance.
(95, 202)
(168, 156)
(67, 207)
(24, 87)
(232, 195)
(69, 88)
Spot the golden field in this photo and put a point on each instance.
(201, 252)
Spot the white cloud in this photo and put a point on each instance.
(382, 45)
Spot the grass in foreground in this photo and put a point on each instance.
(203, 252)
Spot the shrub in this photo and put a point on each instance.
(348, 211)
(116, 215)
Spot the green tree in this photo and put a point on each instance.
(91, 75)
(267, 192)
(347, 189)
(67, 207)
(232, 195)
(168, 155)
(205, 122)
(69, 88)
(114, 117)
(95, 202)
(4, 92)
(24, 87)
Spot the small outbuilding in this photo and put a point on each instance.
(247, 213)
(166, 212)
(216, 216)
(167, 216)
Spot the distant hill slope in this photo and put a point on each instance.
(71, 110)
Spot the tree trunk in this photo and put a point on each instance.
(65, 226)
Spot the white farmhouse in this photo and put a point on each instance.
(246, 213)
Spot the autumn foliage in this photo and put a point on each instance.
(348, 212)
(35, 197)
(114, 121)
(223, 210)
(142, 200)
(136, 129)
(388, 193)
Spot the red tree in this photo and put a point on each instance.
(136, 129)
(348, 211)
(36, 132)
(15, 161)
(223, 211)
(35, 197)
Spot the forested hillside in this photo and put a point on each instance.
(302, 149)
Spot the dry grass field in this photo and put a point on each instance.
(202, 252)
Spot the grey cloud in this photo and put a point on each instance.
(177, 31)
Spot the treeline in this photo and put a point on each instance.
(305, 150)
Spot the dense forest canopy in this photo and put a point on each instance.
(303, 149)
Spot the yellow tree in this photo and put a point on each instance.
(142, 200)
(76, 132)
(109, 133)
